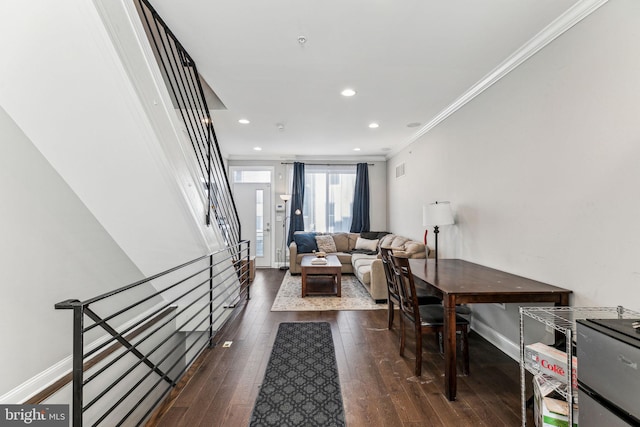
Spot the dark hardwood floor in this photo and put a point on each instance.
(378, 386)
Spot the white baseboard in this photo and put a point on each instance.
(507, 346)
(37, 383)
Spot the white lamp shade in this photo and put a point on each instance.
(285, 197)
(438, 213)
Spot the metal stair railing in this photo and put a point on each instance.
(132, 345)
(182, 78)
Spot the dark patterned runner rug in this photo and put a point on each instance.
(301, 386)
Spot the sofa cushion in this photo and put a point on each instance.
(353, 237)
(306, 242)
(398, 242)
(366, 244)
(326, 244)
(362, 266)
(344, 258)
(362, 259)
(385, 242)
(413, 247)
(341, 240)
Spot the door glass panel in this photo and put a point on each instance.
(259, 223)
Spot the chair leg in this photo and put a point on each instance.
(439, 340)
(390, 312)
(418, 352)
(401, 334)
(464, 343)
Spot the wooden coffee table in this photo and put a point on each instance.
(332, 270)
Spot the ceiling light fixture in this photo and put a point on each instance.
(356, 149)
(257, 148)
(244, 121)
(374, 125)
(348, 92)
(280, 127)
(302, 40)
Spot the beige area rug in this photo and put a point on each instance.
(354, 297)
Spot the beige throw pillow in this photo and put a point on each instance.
(326, 244)
(366, 244)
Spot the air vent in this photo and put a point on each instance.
(400, 170)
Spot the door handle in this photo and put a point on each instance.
(627, 362)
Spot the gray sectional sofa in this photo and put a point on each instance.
(358, 254)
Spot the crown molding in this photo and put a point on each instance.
(564, 22)
(346, 159)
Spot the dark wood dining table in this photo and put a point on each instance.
(462, 282)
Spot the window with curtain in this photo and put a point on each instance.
(328, 197)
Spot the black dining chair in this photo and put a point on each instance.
(423, 318)
(393, 298)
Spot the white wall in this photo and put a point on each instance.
(72, 93)
(542, 169)
(52, 249)
(103, 193)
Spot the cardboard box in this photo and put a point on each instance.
(252, 268)
(540, 357)
(549, 409)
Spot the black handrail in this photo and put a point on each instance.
(182, 78)
(201, 294)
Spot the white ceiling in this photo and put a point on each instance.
(408, 60)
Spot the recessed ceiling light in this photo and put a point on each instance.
(413, 125)
(257, 148)
(348, 92)
(244, 121)
(356, 149)
(374, 125)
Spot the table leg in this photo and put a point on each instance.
(339, 284)
(450, 379)
(559, 336)
(564, 300)
(304, 283)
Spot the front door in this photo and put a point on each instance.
(253, 201)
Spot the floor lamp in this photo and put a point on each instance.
(437, 214)
(285, 198)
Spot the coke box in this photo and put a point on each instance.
(550, 361)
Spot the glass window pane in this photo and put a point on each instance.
(328, 198)
(252, 176)
(259, 223)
